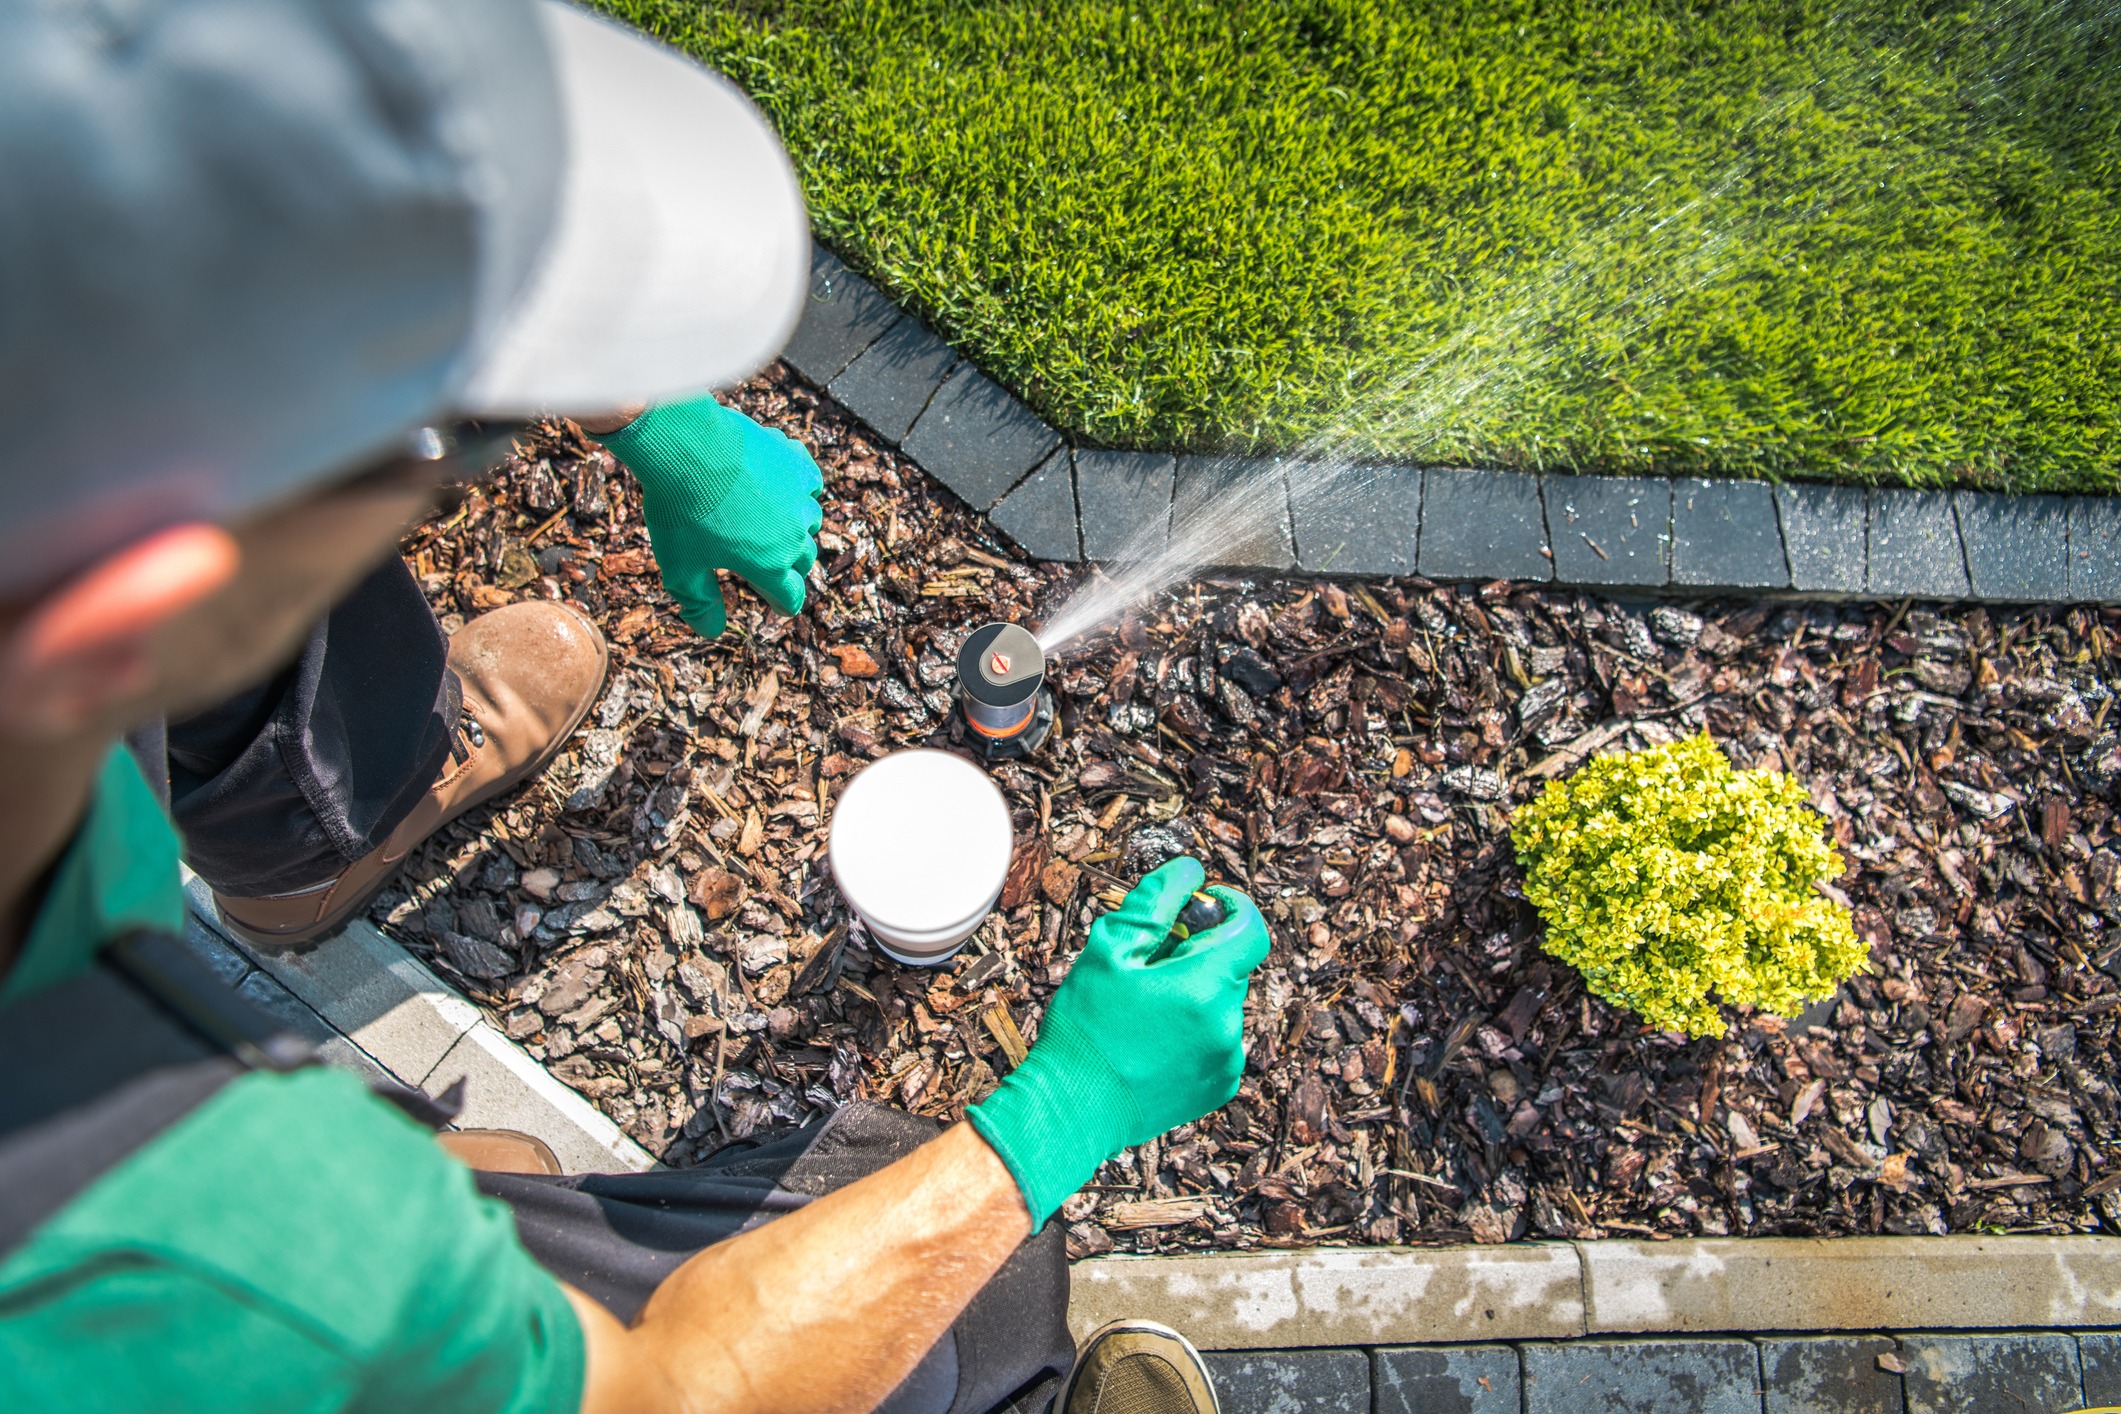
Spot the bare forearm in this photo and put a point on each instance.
(823, 1310)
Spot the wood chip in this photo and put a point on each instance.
(1002, 1026)
(1156, 1212)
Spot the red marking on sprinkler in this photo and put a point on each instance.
(999, 662)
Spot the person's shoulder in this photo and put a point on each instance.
(302, 1190)
(117, 1329)
(298, 1218)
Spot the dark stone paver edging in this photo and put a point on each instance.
(1066, 504)
(2025, 1372)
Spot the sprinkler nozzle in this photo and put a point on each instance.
(1001, 690)
(1202, 912)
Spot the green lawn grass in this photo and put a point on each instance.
(1869, 242)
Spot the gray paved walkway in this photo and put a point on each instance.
(1987, 1373)
(372, 1008)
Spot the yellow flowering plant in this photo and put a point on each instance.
(1674, 883)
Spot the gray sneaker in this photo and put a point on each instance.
(1137, 1367)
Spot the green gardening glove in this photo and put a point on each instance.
(1144, 1035)
(721, 492)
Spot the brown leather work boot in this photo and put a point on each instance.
(531, 672)
(500, 1151)
(1137, 1367)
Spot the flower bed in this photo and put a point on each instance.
(653, 919)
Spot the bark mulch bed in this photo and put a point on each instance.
(654, 919)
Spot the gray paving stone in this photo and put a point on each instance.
(285, 1007)
(889, 385)
(1915, 548)
(1826, 530)
(2099, 1355)
(1233, 512)
(1125, 499)
(1610, 529)
(1829, 1375)
(1356, 519)
(1040, 514)
(977, 439)
(1291, 1381)
(1445, 1379)
(1726, 535)
(1483, 525)
(1642, 1377)
(2017, 547)
(1989, 1374)
(844, 315)
(2095, 549)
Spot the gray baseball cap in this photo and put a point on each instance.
(246, 244)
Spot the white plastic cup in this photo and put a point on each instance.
(920, 847)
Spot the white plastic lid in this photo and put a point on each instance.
(920, 842)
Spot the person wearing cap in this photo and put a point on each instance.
(255, 256)
(300, 797)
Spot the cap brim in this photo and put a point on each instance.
(679, 254)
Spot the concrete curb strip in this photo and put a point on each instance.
(374, 1007)
(1851, 1283)
(1421, 1296)
(975, 437)
(366, 988)
(505, 1089)
(1341, 1295)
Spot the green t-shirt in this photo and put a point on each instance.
(292, 1244)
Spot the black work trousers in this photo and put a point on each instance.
(615, 1237)
(283, 786)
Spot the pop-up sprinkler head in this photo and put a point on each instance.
(1001, 689)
